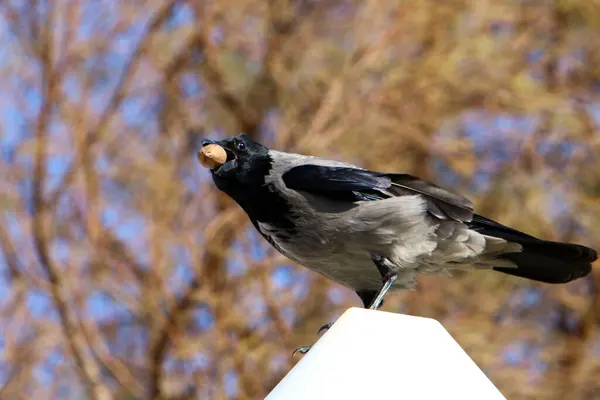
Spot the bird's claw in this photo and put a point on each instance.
(325, 327)
(305, 349)
(301, 350)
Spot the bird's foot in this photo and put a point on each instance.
(301, 350)
(325, 327)
(305, 349)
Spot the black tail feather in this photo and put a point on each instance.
(540, 260)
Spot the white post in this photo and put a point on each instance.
(380, 355)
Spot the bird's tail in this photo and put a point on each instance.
(539, 260)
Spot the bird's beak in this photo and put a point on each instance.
(231, 162)
(206, 142)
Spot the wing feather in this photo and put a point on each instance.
(355, 184)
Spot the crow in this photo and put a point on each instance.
(374, 231)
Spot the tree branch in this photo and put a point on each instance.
(117, 96)
(88, 369)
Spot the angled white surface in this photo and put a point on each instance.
(380, 355)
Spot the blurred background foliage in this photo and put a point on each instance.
(126, 275)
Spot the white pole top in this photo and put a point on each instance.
(380, 355)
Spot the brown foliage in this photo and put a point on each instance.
(126, 275)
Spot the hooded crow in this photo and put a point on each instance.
(373, 231)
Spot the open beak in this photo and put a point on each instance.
(231, 161)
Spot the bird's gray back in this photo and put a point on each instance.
(337, 238)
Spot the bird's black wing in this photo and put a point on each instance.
(353, 184)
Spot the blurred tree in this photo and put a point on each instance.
(125, 274)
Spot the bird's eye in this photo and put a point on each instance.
(240, 145)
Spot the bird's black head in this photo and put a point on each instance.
(243, 178)
(247, 164)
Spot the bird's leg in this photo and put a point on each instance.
(389, 274)
(367, 296)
